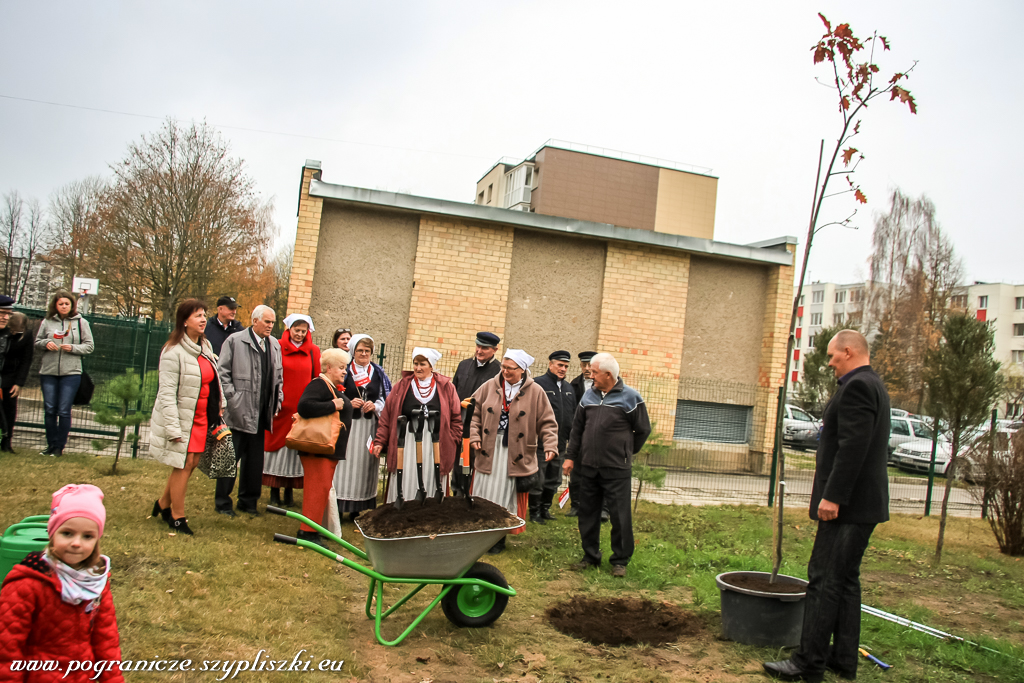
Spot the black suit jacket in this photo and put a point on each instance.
(851, 459)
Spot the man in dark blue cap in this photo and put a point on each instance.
(473, 372)
(563, 401)
(223, 325)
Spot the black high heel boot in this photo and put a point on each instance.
(275, 497)
(164, 513)
(181, 526)
(289, 500)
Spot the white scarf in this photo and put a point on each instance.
(511, 389)
(81, 585)
(423, 384)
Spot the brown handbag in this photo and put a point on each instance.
(317, 435)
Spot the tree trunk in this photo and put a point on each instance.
(639, 487)
(950, 470)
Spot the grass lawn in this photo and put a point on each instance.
(230, 591)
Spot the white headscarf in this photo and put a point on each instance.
(431, 355)
(298, 317)
(354, 341)
(521, 358)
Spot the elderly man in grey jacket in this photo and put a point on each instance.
(252, 377)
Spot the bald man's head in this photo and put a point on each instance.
(848, 350)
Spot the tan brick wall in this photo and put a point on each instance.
(643, 316)
(307, 237)
(460, 285)
(777, 311)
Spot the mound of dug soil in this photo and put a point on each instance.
(453, 514)
(622, 621)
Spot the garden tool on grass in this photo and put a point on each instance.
(421, 422)
(463, 485)
(435, 429)
(402, 425)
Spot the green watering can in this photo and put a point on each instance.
(27, 536)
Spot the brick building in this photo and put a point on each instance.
(676, 309)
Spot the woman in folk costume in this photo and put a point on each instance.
(301, 360)
(512, 423)
(418, 391)
(367, 386)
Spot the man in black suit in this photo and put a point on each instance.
(849, 497)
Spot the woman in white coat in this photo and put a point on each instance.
(189, 402)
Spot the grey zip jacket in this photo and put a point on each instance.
(73, 330)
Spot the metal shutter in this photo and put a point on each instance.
(715, 422)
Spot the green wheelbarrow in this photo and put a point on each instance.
(473, 594)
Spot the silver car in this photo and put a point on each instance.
(908, 429)
(916, 456)
(799, 429)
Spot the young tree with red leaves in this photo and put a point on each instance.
(856, 84)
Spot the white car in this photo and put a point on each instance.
(972, 466)
(906, 429)
(916, 456)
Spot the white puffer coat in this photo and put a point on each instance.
(176, 398)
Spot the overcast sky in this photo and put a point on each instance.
(422, 97)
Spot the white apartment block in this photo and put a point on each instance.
(825, 304)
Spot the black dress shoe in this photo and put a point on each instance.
(46, 451)
(311, 536)
(573, 512)
(181, 526)
(546, 514)
(164, 513)
(537, 519)
(498, 547)
(605, 515)
(229, 512)
(788, 671)
(253, 512)
(289, 498)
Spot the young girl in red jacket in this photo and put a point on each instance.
(57, 619)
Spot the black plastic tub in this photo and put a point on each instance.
(758, 618)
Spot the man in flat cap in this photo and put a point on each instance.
(563, 401)
(579, 387)
(224, 324)
(6, 310)
(473, 372)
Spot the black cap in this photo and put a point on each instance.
(561, 355)
(585, 356)
(228, 301)
(6, 303)
(487, 339)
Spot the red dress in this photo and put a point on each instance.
(200, 423)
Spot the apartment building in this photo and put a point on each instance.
(824, 304)
(605, 186)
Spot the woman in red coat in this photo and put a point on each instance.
(301, 360)
(418, 390)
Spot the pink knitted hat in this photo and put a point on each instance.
(77, 500)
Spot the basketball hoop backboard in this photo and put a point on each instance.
(86, 286)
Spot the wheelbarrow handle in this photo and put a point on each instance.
(276, 511)
(281, 538)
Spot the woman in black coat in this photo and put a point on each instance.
(318, 470)
(16, 362)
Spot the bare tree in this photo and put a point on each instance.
(73, 227)
(11, 227)
(35, 241)
(180, 216)
(914, 272)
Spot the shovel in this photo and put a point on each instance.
(435, 424)
(421, 421)
(402, 424)
(469, 406)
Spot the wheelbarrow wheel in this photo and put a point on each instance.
(471, 606)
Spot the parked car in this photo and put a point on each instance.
(799, 429)
(974, 463)
(916, 456)
(896, 412)
(904, 429)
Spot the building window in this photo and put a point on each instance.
(1018, 329)
(982, 302)
(810, 343)
(1018, 356)
(815, 319)
(841, 297)
(801, 300)
(856, 296)
(490, 190)
(1019, 303)
(714, 422)
(837, 319)
(818, 297)
(855, 318)
(959, 301)
(480, 198)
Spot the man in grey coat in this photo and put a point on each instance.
(252, 377)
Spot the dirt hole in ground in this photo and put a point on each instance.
(453, 514)
(623, 621)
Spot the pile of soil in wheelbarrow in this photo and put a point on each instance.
(623, 621)
(453, 514)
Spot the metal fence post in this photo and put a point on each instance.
(142, 384)
(776, 448)
(380, 354)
